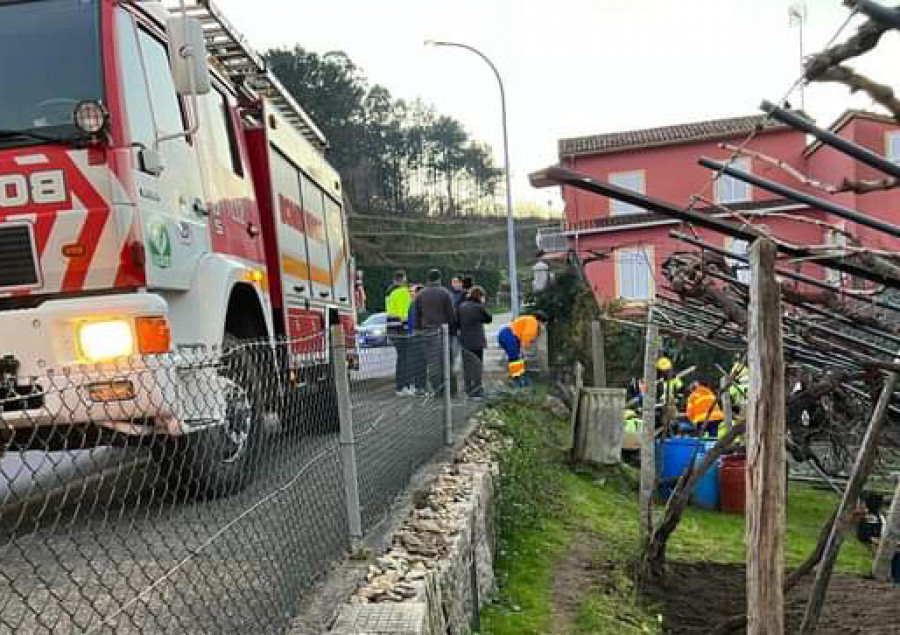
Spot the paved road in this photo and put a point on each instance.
(121, 550)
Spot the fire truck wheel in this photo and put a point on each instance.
(221, 460)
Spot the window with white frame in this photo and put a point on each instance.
(635, 274)
(740, 247)
(633, 180)
(731, 190)
(892, 146)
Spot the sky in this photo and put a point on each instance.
(572, 67)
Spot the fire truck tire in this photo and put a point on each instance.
(221, 461)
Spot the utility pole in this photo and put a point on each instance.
(510, 217)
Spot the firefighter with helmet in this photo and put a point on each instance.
(703, 410)
(671, 383)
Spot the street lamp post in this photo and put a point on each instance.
(510, 221)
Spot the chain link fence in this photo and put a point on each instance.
(206, 491)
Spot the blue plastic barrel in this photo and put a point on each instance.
(673, 456)
(706, 492)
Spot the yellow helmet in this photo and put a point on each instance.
(664, 364)
(629, 414)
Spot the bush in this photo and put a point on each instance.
(571, 306)
(530, 469)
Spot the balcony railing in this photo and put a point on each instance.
(553, 239)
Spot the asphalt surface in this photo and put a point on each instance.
(104, 541)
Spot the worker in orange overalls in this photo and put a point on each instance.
(702, 406)
(517, 336)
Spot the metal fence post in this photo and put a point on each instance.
(448, 373)
(347, 437)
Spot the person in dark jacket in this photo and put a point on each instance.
(416, 360)
(471, 318)
(434, 309)
(457, 292)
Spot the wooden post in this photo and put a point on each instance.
(599, 427)
(648, 445)
(599, 354)
(865, 459)
(890, 540)
(765, 448)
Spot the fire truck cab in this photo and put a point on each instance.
(161, 196)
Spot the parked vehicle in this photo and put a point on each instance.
(373, 331)
(160, 193)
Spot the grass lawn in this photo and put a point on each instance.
(544, 509)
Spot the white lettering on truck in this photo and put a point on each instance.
(40, 188)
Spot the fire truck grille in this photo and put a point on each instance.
(17, 265)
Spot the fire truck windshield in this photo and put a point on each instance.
(51, 51)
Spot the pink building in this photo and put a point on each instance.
(662, 162)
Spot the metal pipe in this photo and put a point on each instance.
(510, 219)
(800, 197)
(827, 137)
(562, 176)
(887, 16)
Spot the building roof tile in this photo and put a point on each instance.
(665, 135)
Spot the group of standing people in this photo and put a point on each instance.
(414, 309)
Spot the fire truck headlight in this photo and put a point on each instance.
(105, 341)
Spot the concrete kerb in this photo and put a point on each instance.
(322, 604)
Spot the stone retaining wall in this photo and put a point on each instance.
(439, 570)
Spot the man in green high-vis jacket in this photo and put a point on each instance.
(397, 303)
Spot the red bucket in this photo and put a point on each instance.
(732, 486)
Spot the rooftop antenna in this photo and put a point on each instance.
(797, 18)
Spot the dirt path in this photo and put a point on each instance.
(573, 577)
(697, 595)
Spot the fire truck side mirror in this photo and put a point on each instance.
(187, 52)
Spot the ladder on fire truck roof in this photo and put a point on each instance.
(244, 66)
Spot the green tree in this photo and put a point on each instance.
(446, 141)
(331, 89)
(394, 156)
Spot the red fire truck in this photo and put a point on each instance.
(161, 194)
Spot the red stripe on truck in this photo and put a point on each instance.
(98, 214)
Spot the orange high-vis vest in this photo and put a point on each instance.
(702, 402)
(526, 329)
